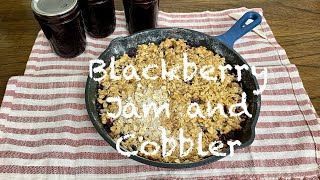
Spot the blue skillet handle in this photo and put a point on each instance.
(240, 28)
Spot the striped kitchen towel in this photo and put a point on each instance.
(45, 131)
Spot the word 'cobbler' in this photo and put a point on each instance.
(215, 147)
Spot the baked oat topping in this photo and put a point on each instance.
(177, 93)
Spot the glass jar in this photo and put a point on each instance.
(99, 17)
(61, 23)
(141, 14)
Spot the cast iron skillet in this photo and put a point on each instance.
(220, 44)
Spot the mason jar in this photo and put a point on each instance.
(62, 25)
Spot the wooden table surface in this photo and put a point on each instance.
(295, 24)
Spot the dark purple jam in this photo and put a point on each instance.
(141, 14)
(64, 30)
(99, 17)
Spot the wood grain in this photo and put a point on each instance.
(295, 24)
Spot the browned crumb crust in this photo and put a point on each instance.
(177, 93)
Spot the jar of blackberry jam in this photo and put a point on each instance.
(99, 17)
(61, 23)
(141, 14)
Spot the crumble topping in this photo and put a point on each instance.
(176, 92)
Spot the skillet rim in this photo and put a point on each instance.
(144, 160)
